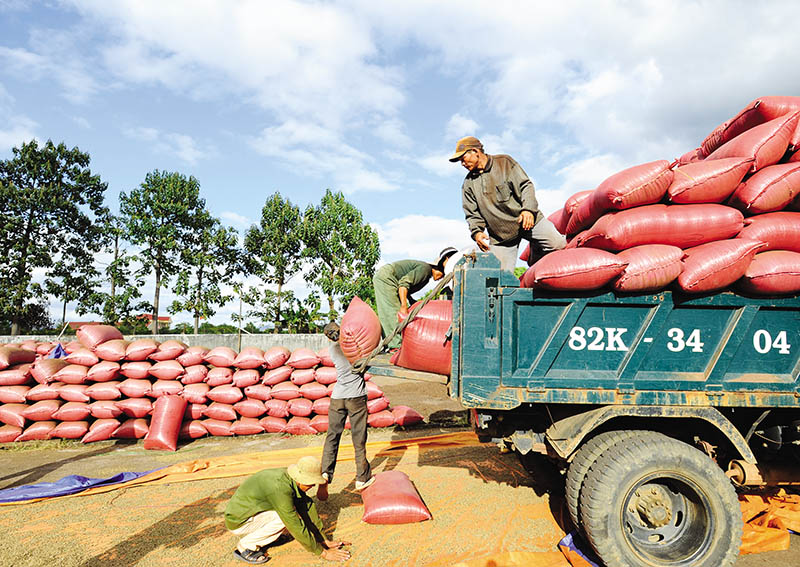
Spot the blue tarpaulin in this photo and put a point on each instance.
(57, 352)
(71, 484)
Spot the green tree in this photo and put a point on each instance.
(211, 260)
(274, 252)
(73, 277)
(161, 217)
(298, 316)
(35, 316)
(50, 197)
(121, 303)
(341, 248)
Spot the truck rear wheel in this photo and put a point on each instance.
(658, 502)
(582, 462)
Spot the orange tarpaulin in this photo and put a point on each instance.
(767, 517)
(241, 465)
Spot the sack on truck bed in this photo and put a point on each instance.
(573, 269)
(650, 267)
(425, 346)
(716, 265)
(779, 231)
(768, 190)
(766, 143)
(755, 113)
(684, 226)
(776, 272)
(633, 187)
(708, 181)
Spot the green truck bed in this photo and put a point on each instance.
(515, 345)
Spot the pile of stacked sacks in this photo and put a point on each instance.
(110, 388)
(723, 216)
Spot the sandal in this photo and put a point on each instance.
(252, 556)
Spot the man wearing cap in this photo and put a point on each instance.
(273, 503)
(394, 283)
(498, 197)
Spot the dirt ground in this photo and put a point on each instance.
(487, 508)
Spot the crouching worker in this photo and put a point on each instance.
(274, 503)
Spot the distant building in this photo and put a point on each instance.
(162, 321)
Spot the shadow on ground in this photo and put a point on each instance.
(180, 529)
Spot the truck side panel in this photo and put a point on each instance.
(519, 345)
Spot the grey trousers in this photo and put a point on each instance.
(543, 237)
(338, 411)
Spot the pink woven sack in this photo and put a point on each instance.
(425, 346)
(392, 499)
(716, 265)
(707, 181)
(776, 272)
(93, 335)
(303, 358)
(360, 331)
(165, 425)
(249, 357)
(755, 113)
(574, 269)
(276, 356)
(779, 231)
(768, 190)
(650, 267)
(765, 143)
(684, 226)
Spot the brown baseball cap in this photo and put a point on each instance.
(464, 145)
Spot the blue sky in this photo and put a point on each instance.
(365, 97)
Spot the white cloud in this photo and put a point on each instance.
(182, 146)
(236, 220)
(17, 129)
(459, 126)
(315, 150)
(420, 237)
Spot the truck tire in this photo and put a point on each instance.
(658, 502)
(584, 459)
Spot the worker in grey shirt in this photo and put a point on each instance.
(498, 197)
(349, 398)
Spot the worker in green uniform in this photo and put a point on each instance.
(394, 283)
(273, 503)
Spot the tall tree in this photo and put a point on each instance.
(161, 217)
(274, 250)
(211, 260)
(49, 196)
(341, 249)
(121, 303)
(74, 277)
(298, 316)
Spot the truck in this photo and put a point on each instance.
(658, 407)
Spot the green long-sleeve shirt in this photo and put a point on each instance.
(274, 489)
(410, 274)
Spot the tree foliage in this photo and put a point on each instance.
(341, 249)
(274, 253)
(122, 302)
(51, 202)
(210, 261)
(161, 217)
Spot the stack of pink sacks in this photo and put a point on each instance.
(723, 216)
(108, 388)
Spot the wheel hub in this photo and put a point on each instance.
(652, 506)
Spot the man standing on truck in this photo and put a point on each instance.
(499, 198)
(394, 283)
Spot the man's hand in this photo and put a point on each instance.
(482, 241)
(334, 551)
(526, 220)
